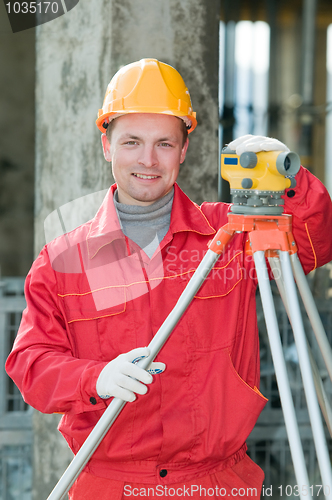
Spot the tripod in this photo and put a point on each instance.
(271, 236)
(268, 236)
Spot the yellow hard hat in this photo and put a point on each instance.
(147, 86)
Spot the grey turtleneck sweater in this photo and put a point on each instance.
(147, 225)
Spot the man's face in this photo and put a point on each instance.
(146, 151)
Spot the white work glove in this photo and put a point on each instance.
(256, 143)
(121, 377)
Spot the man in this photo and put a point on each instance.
(96, 297)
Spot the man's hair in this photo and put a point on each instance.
(184, 132)
(183, 127)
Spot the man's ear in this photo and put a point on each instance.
(106, 147)
(184, 150)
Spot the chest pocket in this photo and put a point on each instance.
(94, 304)
(214, 317)
(97, 312)
(222, 279)
(84, 320)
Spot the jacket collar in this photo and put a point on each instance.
(105, 226)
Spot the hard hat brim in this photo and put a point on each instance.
(107, 117)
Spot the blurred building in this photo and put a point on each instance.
(260, 67)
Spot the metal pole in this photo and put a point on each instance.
(281, 374)
(308, 73)
(274, 108)
(308, 49)
(227, 119)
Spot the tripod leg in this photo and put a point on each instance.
(308, 382)
(281, 374)
(320, 390)
(321, 394)
(277, 275)
(312, 312)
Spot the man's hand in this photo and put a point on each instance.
(122, 378)
(256, 143)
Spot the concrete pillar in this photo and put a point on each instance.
(319, 133)
(289, 80)
(16, 148)
(286, 101)
(77, 55)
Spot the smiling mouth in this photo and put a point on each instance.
(142, 176)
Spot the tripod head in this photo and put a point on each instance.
(258, 180)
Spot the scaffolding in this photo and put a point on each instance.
(16, 437)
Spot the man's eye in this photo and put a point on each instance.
(130, 143)
(165, 145)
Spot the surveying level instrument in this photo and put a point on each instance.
(259, 180)
(257, 183)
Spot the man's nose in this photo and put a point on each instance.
(148, 156)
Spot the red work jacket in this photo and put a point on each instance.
(93, 294)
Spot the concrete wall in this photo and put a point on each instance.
(17, 144)
(76, 57)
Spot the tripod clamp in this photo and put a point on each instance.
(266, 233)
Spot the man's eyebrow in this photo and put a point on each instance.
(130, 136)
(165, 139)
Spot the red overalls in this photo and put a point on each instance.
(94, 294)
